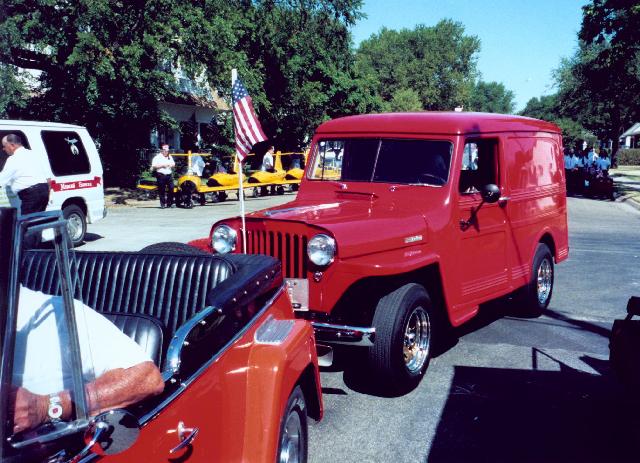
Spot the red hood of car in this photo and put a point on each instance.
(362, 223)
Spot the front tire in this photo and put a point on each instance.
(535, 296)
(172, 247)
(76, 223)
(293, 439)
(402, 349)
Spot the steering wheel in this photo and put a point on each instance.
(422, 177)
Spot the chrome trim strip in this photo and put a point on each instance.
(344, 334)
(184, 384)
(172, 362)
(273, 331)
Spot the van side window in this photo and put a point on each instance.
(67, 155)
(479, 165)
(25, 143)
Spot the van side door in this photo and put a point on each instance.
(482, 227)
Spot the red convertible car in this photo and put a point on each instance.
(239, 372)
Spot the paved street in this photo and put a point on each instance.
(510, 389)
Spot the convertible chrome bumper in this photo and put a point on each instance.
(344, 334)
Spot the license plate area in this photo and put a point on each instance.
(298, 289)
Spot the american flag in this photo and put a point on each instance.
(247, 126)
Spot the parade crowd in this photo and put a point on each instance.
(588, 172)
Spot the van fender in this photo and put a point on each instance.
(273, 371)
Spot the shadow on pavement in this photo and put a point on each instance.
(91, 237)
(510, 415)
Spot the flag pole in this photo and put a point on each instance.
(234, 77)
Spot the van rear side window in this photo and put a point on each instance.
(67, 155)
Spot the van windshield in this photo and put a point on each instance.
(404, 161)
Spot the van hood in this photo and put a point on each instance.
(361, 225)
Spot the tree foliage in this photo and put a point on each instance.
(599, 86)
(437, 63)
(491, 97)
(547, 108)
(107, 64)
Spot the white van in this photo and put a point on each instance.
(77, 182)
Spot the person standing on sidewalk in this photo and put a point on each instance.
(28, 175)
(163, 165)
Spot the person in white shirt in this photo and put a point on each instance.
(28, 174)
(592, 157)
(116, 370)
(267, 160)
(163, 165)
(197, 165)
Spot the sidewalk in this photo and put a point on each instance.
(627, 184)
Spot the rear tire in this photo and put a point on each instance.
(534, 297)
(76, 223)
(293, 439)
(402, 348)
(171, 247)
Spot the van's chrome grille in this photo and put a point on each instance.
(289, 248)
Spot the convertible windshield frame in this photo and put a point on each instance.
(408, 161)
(48, 222)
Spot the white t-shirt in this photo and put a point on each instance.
(42, 359)
(25, 168)
(267, 161)
(197, 165)
(160, 160)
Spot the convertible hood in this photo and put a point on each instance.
(361, 225)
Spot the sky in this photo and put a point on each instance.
(522, 41)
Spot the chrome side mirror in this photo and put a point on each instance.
(110, 433)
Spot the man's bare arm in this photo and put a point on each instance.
(116, 388)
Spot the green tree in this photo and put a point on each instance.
(438, 63)
(547, 108)
(298, 65)
(107, 64)
(491, 97)
(405, 99)
(599, 86)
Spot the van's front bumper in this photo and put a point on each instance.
(344, 334)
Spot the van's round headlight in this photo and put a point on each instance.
(223, 239)
(321, 249)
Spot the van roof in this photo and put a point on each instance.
(19, 123)
(446, 123)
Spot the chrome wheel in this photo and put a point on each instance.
(75, 227)
(291, 440)
(417, 340)
(545, 281)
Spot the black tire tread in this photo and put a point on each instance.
(387, 321)
(173, 247)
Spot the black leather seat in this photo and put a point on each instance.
(159, 291)
(146, 331)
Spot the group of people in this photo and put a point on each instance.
(588, 172)
(596, 158)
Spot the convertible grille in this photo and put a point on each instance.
(289, 248)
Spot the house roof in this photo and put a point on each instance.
(634, 130)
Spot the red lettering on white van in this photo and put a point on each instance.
(81, 184)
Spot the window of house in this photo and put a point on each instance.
(479, 165)
(67, 155)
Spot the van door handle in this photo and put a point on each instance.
(503, 200)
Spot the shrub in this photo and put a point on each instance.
(628, 157)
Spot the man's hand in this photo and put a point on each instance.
(29, 409)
